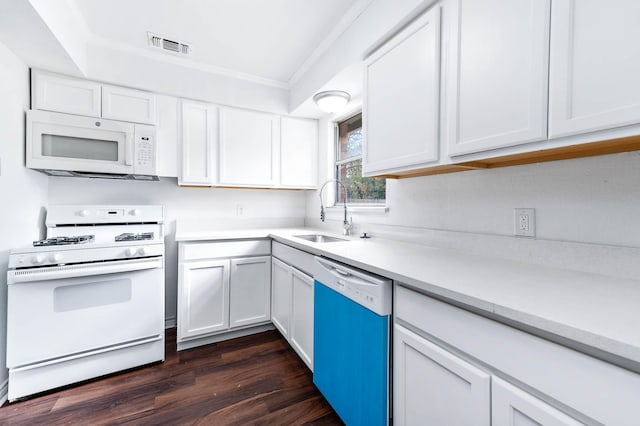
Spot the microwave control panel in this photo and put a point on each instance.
(145, 151)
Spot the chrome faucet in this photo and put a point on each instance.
(346, 224)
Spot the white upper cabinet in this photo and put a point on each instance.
(167, 136)
(120, 103)
(401, 99)
(496, 74)
(248, 148)
(53, 92)
(595, 64)
(298, 153)
(198, 130)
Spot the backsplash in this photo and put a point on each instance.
(585, 213)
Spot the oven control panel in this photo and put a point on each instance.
(103, 214)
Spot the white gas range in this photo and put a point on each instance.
(88, 300)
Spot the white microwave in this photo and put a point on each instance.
(72, 145)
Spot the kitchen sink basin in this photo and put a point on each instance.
(319, 238)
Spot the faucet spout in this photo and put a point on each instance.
(346, 224)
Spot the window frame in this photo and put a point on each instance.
(336, 163)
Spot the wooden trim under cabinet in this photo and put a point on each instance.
(612, 146)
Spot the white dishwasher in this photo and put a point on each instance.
(352, 311)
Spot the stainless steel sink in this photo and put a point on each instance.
(319, 238)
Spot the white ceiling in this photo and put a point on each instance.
(265, 39)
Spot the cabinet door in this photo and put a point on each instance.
(248, 148)
(121, 103)
(298, 153)
(250, 291)
(281, 277)
(198, 129)
(203, 305)
(511, 406)
(496, 76)
(595, 64)
(167, 135)
(302, 316)
(433, 386)
(62, 94)
(401, 99)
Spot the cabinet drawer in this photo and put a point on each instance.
(297, 258)
(597, 389)
(212, 250)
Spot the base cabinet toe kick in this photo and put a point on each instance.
(452, 366)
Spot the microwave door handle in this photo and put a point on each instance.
(128, 154)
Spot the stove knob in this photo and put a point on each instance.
(55, 258)
(143, 250)
(38, 259)
(84, 213)
(131, 251)
(136, 212)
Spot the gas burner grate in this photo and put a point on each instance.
(60, 241)
(130, 236)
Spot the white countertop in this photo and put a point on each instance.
(596, 311)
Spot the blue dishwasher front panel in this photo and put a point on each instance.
(351, 357)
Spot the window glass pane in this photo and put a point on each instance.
(86, 149)
(350, 138)
(349, 167)
(360, 190)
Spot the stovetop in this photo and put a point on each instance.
(83, 234)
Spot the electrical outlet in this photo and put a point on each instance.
(525, 222)
(239, 210)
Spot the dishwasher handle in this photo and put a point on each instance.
(369, 290)
(343, 277)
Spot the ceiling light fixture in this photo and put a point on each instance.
(331, 100)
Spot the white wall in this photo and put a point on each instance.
(206, 205)
(23, 192)
(586, 211)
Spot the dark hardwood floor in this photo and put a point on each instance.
(251, 380)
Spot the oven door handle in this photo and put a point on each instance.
(81, 270)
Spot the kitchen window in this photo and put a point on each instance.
(360, 190)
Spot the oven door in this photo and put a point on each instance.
(74, 143)
(55, 312)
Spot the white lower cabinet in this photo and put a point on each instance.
(454, 367)
(292, 300)
(281, 282)
(301, 336)
(220, 292)
(433, 386)
(250, 291)
(511, 406)
(204, 289)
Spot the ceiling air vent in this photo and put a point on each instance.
(172, 46)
